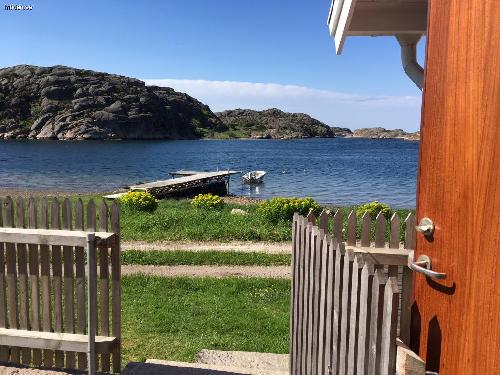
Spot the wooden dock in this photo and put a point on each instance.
(190, 182)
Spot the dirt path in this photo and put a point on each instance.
(241, 246)
(209, 271)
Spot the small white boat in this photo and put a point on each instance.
(253, 177)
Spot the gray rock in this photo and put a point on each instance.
(66, 103)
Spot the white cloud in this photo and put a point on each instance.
(334, 108)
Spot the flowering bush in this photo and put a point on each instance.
(277, 209)
(373, 209)
(139, 200)
(208, 201)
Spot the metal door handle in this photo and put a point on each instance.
(423, 265)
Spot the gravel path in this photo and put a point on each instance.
(209, 271)
(242, 246)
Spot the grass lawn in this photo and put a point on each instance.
(199, 258)
(173, 318)
(176, 220)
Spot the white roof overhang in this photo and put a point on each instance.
(376, 17)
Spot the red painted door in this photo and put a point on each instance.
(456, 321)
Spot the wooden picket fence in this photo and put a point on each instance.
(346, 295)
(42, 287)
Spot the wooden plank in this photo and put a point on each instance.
(376, 317)
(91, 226)
(346, 311)
(395, 231)
(68, 262)
(406, 305)
(317, 248)
(104, 284)
(366, 230)
(305, 363)
(323, 220)
(365, 298)
(330, 280)
(337, 306)
(22, 269)
(70, 342)
(55, 223)
(116, 285)
(48, 355)
(92, 303)
(389, 328)
(410, 233)
(380, 230)
(383, 256)
(4, 350)
(11, 276)
(310, 296)
(50, 237)
(302, 222)
(337, 226)
(311, 218)
(294, 297)
(352, 348)
(34, 270)
(407, 361)
(80, 284)
(323, 297)
(351, 228)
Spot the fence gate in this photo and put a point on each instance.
(43, 283)
(345, 306)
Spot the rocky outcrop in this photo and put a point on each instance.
(66, 103)
(276, 124)
(385, 133)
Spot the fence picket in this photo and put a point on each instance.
(337, 306)
(317, 270)
(376, 313)
(48, 355)
(365, 298)
(55, 223)
(395, 228)
(410, 234)
(4, 350)
(311, 218)
(68, 262)
(366, 230)
(294, 297)
(322, 308)
(11, 278)
(22, 279)
(34, 269)
(337, 226)
(301, 302)
(346, 311)
(323, 220)
(389, 328)
(380, 230)
(104, 284)
(352, 348)
(305, 333)
(80, 284)
(351, 228)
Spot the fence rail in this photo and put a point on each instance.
(42, 286)
(345, 306)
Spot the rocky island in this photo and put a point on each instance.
(382, 133)
(275, 124)
(66, 103)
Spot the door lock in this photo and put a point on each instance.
(426, 227)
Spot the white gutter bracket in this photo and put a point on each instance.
(412, 68)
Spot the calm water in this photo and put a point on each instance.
(339, 171)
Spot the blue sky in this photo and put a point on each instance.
(227, 53)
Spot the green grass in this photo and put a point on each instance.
(173, 318)
(176, 220)
(199, 258)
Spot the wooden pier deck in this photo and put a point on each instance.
(189, 180)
